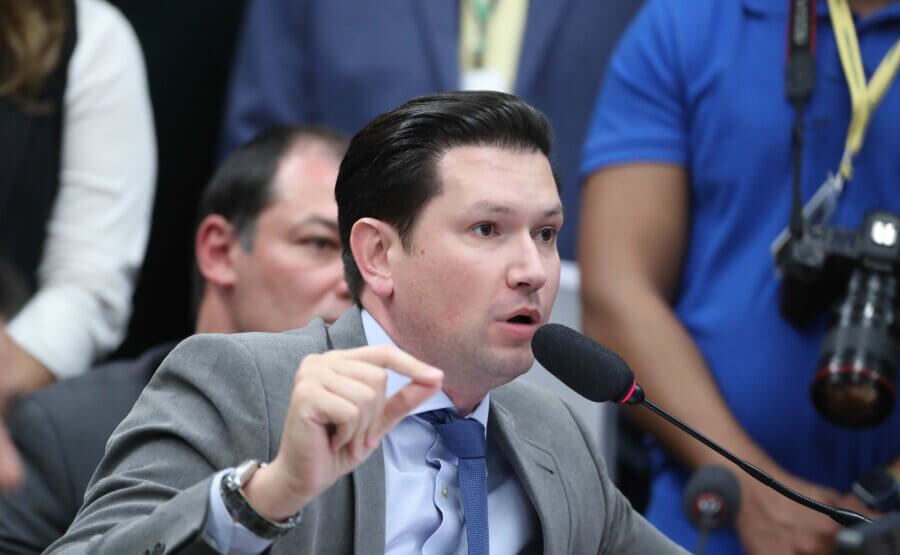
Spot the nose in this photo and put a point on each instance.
(526, 269)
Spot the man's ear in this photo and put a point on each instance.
(215, 246)
(372, 241)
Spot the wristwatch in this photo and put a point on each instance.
(879, 489)
(241, 511)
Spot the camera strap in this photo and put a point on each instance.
(800, 80)
(864, 97)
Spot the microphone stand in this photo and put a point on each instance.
(702, 540)
(844, 517)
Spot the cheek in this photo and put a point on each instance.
(463, 290)
(312, 283)
(289, 268)
(548, 295)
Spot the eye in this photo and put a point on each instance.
(484, 229)
(547, 235)
(319, 243)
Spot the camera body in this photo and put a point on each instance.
(853, 274)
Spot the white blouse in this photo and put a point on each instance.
(98, 229)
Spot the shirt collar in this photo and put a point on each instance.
(375, 335)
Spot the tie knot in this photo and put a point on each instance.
(464, 436)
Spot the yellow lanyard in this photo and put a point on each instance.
(864, 98)
(482, 11)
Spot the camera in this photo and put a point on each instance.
(852, 274)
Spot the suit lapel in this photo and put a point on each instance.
(368, 478)
(347, 332)
(540, 28)
(438, 25)
(368, 506)
(538, 474)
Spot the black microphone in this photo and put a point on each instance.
(595, 372)
(711, 501)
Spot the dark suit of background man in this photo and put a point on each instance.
(448, 212)
(268, 258)
(343, 63)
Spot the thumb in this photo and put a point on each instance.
(404, 401)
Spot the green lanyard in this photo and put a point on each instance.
(482, 11)
(864, 97)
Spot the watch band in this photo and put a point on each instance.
(241, 510)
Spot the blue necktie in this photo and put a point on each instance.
(465, 438)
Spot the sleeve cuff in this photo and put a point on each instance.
(224, 534)
(53, 329)
(598, 158)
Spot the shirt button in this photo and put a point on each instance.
(445, 491)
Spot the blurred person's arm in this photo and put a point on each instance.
(26, 373)
(635, 223)
(100, 221)
(10, 465)
(266, 87)
(635, 226)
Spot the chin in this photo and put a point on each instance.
(510, 365)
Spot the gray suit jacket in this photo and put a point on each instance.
(220, 399)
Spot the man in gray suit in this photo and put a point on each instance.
(400, 431)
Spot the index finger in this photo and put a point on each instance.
(401, 362)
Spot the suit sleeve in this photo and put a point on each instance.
(203, 411)
(39, 512)
(624, 530)
(267, 81)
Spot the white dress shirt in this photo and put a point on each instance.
(423, 509)
(98, 228)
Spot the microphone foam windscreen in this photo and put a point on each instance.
(712, 497)
(587, 367)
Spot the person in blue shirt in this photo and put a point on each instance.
(689, 173)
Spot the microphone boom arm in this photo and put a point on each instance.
(844, 517)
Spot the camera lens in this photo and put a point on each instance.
(854, 386)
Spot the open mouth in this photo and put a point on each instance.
(521, 319)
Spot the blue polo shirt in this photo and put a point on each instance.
(700, 84)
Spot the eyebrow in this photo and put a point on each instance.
(318, 220)
(488, 206)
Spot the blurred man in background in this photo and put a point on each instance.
(268, 258)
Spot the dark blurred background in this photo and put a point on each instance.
(188, 57)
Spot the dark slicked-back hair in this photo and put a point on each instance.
(390, 169)
(243, 186)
